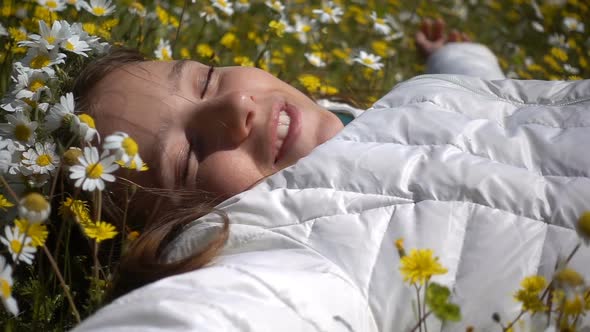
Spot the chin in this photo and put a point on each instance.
(330, 126)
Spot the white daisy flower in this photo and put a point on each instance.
(79, 4)
(16, 106)
(83, 125)
(92, 171)
(19, 245)
(60, 113)
(40, 160)
(225, 6)
(53, 5)
(315, 59)
(19, 127)
(556, 39)
(10, 152)
(303, 26)
(34, 208)
(209, 14)
(571, 69)
(31, 84)
(92, 41)
(39, 58)
(75, 45)
(380, 25)
(573, 25)
(125, 148)
(100, 7)
(275, 5)
(369, 60)
(330, 13)
(48, 38)
(6, 283)
(163, 51)
(242, 5)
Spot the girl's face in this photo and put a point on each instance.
(220, 131)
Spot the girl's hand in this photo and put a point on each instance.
(432, 36)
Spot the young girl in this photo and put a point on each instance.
(486, 173)
(210, 133)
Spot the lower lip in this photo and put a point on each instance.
(294, 130)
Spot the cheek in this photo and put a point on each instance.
(227, 173)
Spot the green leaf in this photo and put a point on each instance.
(437, 299)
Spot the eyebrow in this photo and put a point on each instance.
(176, 73)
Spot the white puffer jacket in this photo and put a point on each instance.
(491, 175)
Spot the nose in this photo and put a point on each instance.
(239, 111)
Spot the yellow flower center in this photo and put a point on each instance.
(40, 61)
(166, 54)
(36, 85)
(5, 289)
(368, 61)
(99, 11)
(94, 171)
(306, 28)
(380, 21)
(70, 46)
(72, 2)
(222, 3)
(43, 160)
(22, 132)
(16, 246)
(130, 146)
(87, 119)
(328, 11)
(50, 39)
(51, 4)
(35, 202)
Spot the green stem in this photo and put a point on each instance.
(63, 284)
(419, 308)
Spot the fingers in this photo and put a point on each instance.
(426, 28)
(438, 30)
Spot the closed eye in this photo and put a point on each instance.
(209, 73)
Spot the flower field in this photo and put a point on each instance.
(58, 254)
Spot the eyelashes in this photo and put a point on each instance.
(209, 73)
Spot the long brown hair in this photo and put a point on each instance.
(142, 262)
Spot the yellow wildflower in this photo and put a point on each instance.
(559, 54)
(328, 90)
(229, 40)
(75, 209)
(277, 27)
(583, 227)
(243, 61)
(420, 265)
(310, 82)
(90, 28)
(185, 53)
(204, 50)
(529, 294)
(548, 59)
(100, 231)
(37, 232)
(4, 203)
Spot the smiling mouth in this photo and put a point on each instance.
(287, 130)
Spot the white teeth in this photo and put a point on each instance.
(284, 118)
(282, 131)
